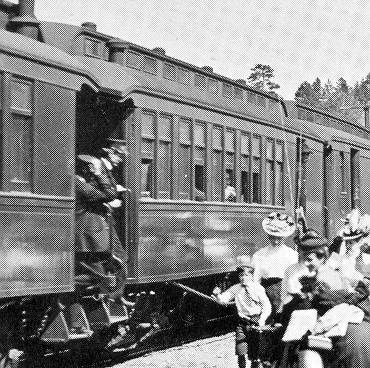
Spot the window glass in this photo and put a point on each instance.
(217, 138)
(199, 135)
(184, 133)
(245, 178)
(184, 76)
(230, 141)
(261, 101)
(21, 95)
(251, 97)
(184, 171)
(92, 47)
(342, 172)
(147, 125)
(200, 81)
(244, 144)
(301, 114)
(227, 90)
(213, 85)
(169, 71)
(146, 177)
(20, 157)
(164, 172)
(256, 169)
(238, 93)
(230, 193)
(134, 60)
(279, 176)
(165, 127)
(150, 65)
(217, 175)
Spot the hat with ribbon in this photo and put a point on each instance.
(355, 226)
(279, 225)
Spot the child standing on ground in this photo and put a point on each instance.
(251, 302)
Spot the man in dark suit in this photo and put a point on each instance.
(96, 239)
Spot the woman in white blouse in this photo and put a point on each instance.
(270, 262)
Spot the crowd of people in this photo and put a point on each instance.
(278, 280)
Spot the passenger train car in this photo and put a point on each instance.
(190, 132)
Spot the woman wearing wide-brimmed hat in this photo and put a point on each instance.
(271, 261)
(353, 234)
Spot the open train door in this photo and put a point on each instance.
(310, 186)
(103, 119)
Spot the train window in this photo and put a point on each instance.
(251, 97)
(165, 127)
(355, 178)
(147, 154)
(164, 156)
(261, 101)
(217, 163)
(270, 171)
(169, 71)
(146, 177)
(199, 135)
(301, 114)
(309, 115)
(20, 155)
(238, 93)
(134, 60)
(147, 125)
(164, 169)
(199, 179)
(343, 186)
(227, 90)
(184, 76)
(217, 175)
(150, 65)
(213, 86)
(92, 47)
(230, 194)
(21, 140)
(184, 171)
(200, 81)
(230, 141)
(199, 160)
(244, 168)
(21, 95)
(256, 169)
(184, 168)
(279, 174)
(184, 131)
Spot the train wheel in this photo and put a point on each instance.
(191, 311)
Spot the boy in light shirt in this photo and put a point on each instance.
(252, 304)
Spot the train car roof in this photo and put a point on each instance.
(25, 47)
(115, 78)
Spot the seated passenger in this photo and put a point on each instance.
(230, 192)
(251, 302)
(321, 287)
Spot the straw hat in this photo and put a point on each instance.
(279, 225)
(355, 226)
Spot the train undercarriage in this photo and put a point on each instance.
(87, 323)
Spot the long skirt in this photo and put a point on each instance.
(353, 349)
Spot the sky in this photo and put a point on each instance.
(299, 39)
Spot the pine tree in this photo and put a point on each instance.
(261, 78)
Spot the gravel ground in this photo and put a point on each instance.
(214, 352)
